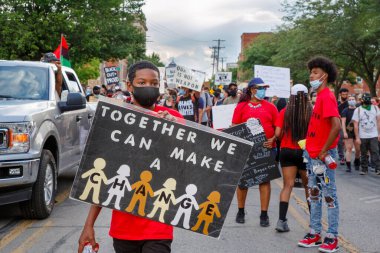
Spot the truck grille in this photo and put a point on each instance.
(3, 138)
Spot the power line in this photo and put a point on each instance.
(218, 47)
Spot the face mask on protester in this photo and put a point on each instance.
(260, 94)
(88, 92)
(146, 96)
(316, 83)
(221, 95)
(232, 93)
(367, 101)
(351, 103)
(181, 92)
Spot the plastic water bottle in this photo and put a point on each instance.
(330, 162)
(88, 248)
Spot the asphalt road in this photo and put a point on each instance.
(359, 198)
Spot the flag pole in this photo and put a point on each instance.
(60, 50)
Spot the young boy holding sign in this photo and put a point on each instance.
(132, 233)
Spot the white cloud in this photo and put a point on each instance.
(184, 30)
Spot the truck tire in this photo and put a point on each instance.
(41, 204)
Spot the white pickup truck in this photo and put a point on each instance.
(40, 135)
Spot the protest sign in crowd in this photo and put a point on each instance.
(176, 157)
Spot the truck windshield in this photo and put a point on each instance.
(24, 82)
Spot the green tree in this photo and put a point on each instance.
(89, 70)
(155, 58)
(94, 29)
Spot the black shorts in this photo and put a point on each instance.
(292, 157)
(144, 246)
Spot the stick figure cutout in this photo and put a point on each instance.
(96, 176)
(165, 195)
(142, 190)
(119, 183)
(187, 202)
(209, 209)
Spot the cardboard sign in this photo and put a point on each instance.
(222, 116)
(169, 75)
(223, 78)
(111, 75)
(260, 167)
(277, 78)
(162, 81)
(187, 78)
(182, 174)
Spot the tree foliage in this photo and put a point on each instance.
(347, 31)
(93, 28)
(89, 70)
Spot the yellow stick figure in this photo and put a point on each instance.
(96, 176)
(142, 190)
(209, 208)
(165, 195)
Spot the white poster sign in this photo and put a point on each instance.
(162, 81)
(222, 116)
(185, 77)
(170, 77)
(223, 78)
(277, 78)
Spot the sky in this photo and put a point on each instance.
(184, 30)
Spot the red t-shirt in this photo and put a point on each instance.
(286, 141)
(264, 111)
(126, 226)
(320, 124)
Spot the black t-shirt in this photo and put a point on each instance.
(342, 106)
(347, 113)
(186, 107)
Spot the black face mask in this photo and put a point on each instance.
(146, 96)
(367, 101)
(232, 93)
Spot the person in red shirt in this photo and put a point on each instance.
(132, 233)
(321, 142)
(291, 127)
(253, 105)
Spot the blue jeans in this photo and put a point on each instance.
(322, 185)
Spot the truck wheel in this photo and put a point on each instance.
(44, 189)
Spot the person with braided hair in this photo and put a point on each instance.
(291, 127)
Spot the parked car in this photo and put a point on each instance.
(41, 136)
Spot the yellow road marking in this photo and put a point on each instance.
(20, 228)
(343, 242)
(14, 233)
(30, 240)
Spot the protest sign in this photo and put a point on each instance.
(260, 166)
(187, 78)
(162, 81)
(223, 78)
(139, 163)
(111, 75)
(277, 78)
(222, 116)
(170, 77)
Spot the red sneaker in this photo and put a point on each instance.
(329, 245)
(310, 240)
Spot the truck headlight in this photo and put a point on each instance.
(16, 137)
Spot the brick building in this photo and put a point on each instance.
(246, 40)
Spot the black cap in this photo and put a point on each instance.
(49, 57)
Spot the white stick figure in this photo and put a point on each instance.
(96, 176)
(165, 195)
(119, 183)
(187, 202)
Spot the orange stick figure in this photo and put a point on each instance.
(208, 209)
(142, 190)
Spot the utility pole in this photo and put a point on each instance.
(218, 52)
(213, 56)
(223, 58)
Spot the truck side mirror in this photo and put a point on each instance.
(75, 101)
